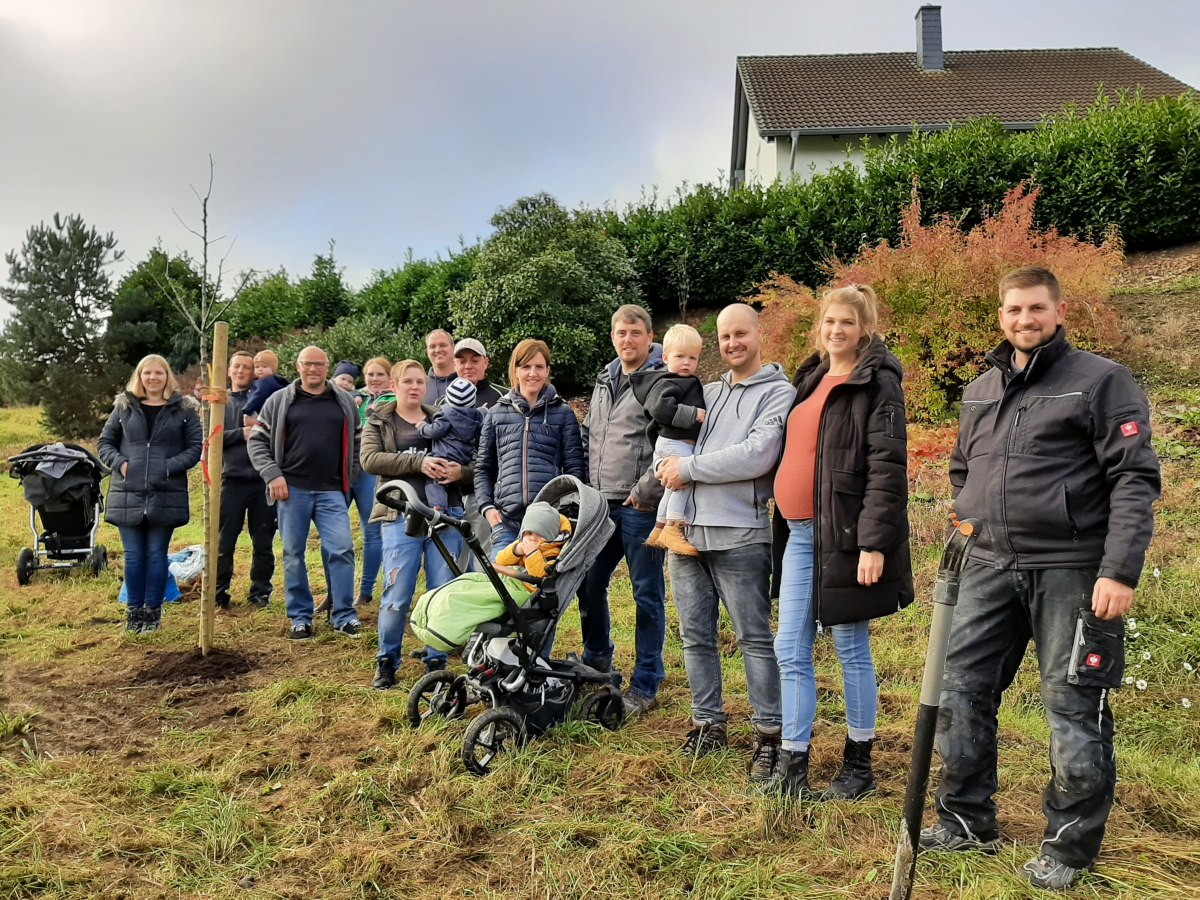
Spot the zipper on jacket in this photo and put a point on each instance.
(1008, 447)
(1070, 517)
(525, 461)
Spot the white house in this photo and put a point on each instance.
(793, 115)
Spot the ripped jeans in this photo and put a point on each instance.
(403, 557)
(1080, 659)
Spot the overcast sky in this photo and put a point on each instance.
(389, 125)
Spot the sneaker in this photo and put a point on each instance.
(349, 629)
(939, 837)
(385, 674)
(764, 757)
(1048, 873)
(151, 619)
(301, 631)
(704, 739)
(638, 705)
(133, 620)
(259, 602)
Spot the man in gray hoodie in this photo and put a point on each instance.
(730, 479)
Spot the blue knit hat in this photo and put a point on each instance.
(461, 393)
(345, 368)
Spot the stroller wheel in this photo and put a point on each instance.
(98, 560)
(436, 694)
(491, 734)
(604, 708)
(26, 565)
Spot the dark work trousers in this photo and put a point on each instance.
(1080, 659)
(245, 501)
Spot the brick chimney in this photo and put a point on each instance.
(929, 38)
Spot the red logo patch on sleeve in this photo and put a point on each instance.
(1093, 661)
(1129, 429)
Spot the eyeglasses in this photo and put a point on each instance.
(313, 365)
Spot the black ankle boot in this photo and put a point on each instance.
(133, 619)
(855, 778)
(385, 674)
(792, 767)
(151, 618)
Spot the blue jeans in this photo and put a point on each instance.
(403, 557)
(145, 563)
(1080, 660)
(502, 535)
(649, 595)
(329, 512)
(740, 579)
(363, 493)
(794, 650)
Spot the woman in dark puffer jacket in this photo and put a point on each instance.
(841, 492)
(150, 441)
(529, 436)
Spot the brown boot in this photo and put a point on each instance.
(655, 538)
(672, 538)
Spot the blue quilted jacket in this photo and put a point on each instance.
(521, 449)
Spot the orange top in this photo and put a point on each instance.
(795, 481)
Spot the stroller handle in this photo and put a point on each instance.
(402, 496)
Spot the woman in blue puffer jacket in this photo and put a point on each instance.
(150, 441)
(529, 436)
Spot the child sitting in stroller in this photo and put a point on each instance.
(544, 530)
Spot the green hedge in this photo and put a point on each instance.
(1129, 163)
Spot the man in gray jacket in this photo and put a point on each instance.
(243, 502)
(305, 447)
(619, 457)
(731, 481)
(1054, 460)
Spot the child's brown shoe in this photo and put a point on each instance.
(672, 538)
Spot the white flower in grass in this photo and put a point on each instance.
(1141, 684)
(1187, 704)
(1157, 572)
(1188, 667)
(1133, 625)
(1146, 655)
(1129, 679)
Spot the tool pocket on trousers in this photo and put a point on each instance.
(1098, 653)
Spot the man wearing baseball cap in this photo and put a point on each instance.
(471, 363)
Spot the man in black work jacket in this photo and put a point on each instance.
(1054, 459)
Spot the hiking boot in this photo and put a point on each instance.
(854, 779)
(435, 663)
(764, 758)
(672, 538)
(654, 539)
(705, 738)
(151, 618)
(791, 774)
(364, 600)
(385, 674)
(301, 631)
(133, 620)
(939, 837)
(1048, 873)
(638, 705)
(349, 629)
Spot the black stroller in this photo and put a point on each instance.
(507, 664)
(62, 486)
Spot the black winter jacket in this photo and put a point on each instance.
(671, 402)
(155, 488)
(1056, 462)
(861, 500)
(521, 449)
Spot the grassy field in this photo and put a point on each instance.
(133, 768)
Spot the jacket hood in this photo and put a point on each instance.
(127, 400)
(768, 373)
(875, 358)
(644, 379)
(653, 361)
(384, 410)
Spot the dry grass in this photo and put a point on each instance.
(131, 769)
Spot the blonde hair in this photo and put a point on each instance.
(138, 389)
(523, 354)
(681, 337)
(403, 366)
(377, 361)
(859, 297)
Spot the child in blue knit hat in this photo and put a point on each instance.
(454, 432)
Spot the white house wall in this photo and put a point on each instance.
(818, 153)
(760, 157)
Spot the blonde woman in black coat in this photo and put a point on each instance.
(150, 441)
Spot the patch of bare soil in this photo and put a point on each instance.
(1159, 266)
(120, 706)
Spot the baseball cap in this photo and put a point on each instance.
(469, 344)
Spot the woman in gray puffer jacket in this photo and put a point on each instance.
(150, 441)
(528, 437)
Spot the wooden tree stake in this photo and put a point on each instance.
(216, 459)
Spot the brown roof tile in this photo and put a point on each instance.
(889, 92)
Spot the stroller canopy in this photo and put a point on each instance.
(593, 528)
